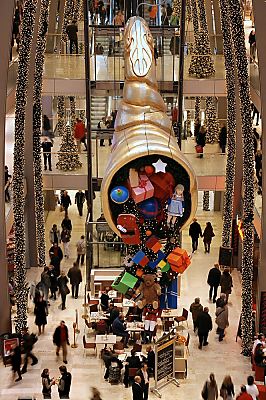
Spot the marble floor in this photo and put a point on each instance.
(220, 358)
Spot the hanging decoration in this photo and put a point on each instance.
(72, 101)
(238, 36)
(206, 200)
(212, 125)
(68, 16)
(61, 115)
(231, 125)
(68, 156)
(195, 18)
(21, 286)
(37, 117)
(197, 109)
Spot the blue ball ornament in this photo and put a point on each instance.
(119, 194)
(149, 208)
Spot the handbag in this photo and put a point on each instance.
(204, 393)
(199, 149)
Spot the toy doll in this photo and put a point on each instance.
(175, 207)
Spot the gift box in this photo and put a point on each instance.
(143, 191)
(169, 297)
(178, 260)
(140, 258)
(133, 177)
(123, 282)
(129, 223)
(154, 244)
(163, 185)
(139, 272)
(160, 256)
(164, 266)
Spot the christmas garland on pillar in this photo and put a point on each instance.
(238, 36)
(37, 117)
(195, 18)
(72, 101)
(206, 200)
(231, 125)
(197, 109)
(21, 287)
(212, 124)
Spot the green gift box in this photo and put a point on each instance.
(123, 282)
(164, 265)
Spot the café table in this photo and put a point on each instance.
(170, 313)
(98, 315)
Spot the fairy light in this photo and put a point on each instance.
(212, 124)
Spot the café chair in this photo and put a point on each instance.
(89, 345)
(132, 372)
(183, 317)
(101, 327)
(118, 347)
(137, 347)
(168, 325)
(93, 307)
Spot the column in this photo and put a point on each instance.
(32, 259)
(208, 8)
(260, 15)
(47, 109)
(60, 24)
(218, 27)
(7, 10)
(222, 109)
(49, 200)
(218, 201)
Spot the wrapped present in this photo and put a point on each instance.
(160, 256)
(164, 266)
(123, 282)
(143, 191)
(178, 260)
(154, 244)
(139, 272)
(140, 258)
(163, 185)
(129, 224)
(169, 296)
(133, 177)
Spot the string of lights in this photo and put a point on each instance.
(197, 108)
(206, 200)
(212, 124)
(231, 125)
(21, 287)
(61, 115)
(72, 101)
(37, 117)
(68, 156)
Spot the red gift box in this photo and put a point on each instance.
(163, 185)
(178, 260)
(154, 244)
(144, 191)
(132, 234)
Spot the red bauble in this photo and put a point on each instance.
(149, 169)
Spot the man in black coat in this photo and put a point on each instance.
(223, 138)
(79, 201)
(143, 374)
(204, 323)
(104, 300)
(75, 277)
(65, 201)
(47, 156)
(137, 389)
(72, 33)
(213, 281)
(64, 383)
(131, 362)
(56, 256)
(194, 233)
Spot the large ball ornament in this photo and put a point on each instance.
(119, 194)
(149, 170)
(149, 208)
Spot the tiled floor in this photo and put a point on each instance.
(220, 358)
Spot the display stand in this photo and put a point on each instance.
(164, 364)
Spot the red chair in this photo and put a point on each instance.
(259, 373)
(137, 348)
(262, 392)
(87, 345)
(182, 317)
(101, 327)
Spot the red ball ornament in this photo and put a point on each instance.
(149, 169)
(148, 233)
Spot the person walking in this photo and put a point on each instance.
(47, 155)
(7, 177)
(65, 201)
(46, 126)
(243, 395)
(213, 280)
(195, 232)
(79, 201)
(54, 235)
(61, 339)
(28, 342)
(210, 389)
(16, 362)
(221, 320)
(64, 383)
(45, 283)
(56, 256)
(96, 395)
(66, 223)
(72, 33)
(252, 388)
(40, 312)
(47, 384)
(63, 288)
(227, 390)
(143, 374)
(208, 234)
(80, 134)
(201, 139)
(137, 389)
(223, 138)
(53, 280)
(195, 308)
(226, 283)
(252, 44)
(204, 324)
(65, 239)
(75, 277)
(81, 250)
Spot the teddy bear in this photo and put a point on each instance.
(150, 291)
